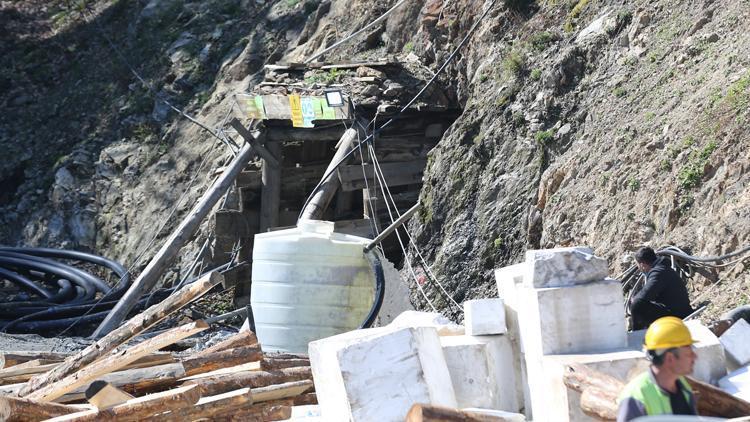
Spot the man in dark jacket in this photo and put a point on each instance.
(664, 293)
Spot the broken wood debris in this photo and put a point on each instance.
(241, 392)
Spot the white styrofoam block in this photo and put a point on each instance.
(484, 317)
(414, 319)
(553, 401)
(737, 383)
(581, 318)
(736, 342)
(379, 373)
(482, 371)
(710, 364)
(563, 267)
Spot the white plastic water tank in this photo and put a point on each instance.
(308, 283)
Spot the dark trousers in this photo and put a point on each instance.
(644, 313)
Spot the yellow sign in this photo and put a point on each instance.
(295, 103)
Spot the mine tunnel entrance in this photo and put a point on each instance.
(304, 120)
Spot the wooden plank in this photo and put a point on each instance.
(35, 366)
(221, 359)
(22, 410)
(277, 108)
(395, 174)
(251, 179)
(277, 410)
(133, 327)
(139, 408)
(103, 395)
(250, 366)
(241, 339)
(8, 359)
(299, 134)
(115, 361)
(281, 391)
(255, 141)
(354, 65)
(231, 223)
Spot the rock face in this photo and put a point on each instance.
(604, 125)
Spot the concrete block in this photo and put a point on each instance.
(737, 383)
(482, 371)
(379, 373)
(484, 317)
(582, 318)
(563, 267)
(414, 319)
(736, 343)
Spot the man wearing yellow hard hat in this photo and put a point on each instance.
(662, 390)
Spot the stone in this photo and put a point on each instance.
(736, 343)
(509, 280)
(484, 317)
(563, 267)
(482, 371)
(581, 318)
(737, 383)
(379, 373)
(364, 71)
(416, 319)
(371, 90)
(711, 362)
(393, 90)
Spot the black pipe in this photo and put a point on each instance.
(25, 283)
(7, 261)
(377, 268)
(98, 283)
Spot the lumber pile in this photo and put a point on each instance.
(232, 380)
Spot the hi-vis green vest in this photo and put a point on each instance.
(645, 390)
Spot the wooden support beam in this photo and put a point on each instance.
(241, 339)
(115, 361)
(212, 406)
(254, 379)
(25, 410)
(133, 327)
(277, 410)
(395, 174)
(330, 184)
(257, 143)
(221, 359)
(270, 196)
(250, 366)
(289, 134)
(274, 364)
(181, 235)
(139, 408)
(430, 413)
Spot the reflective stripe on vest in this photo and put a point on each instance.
(645, 390)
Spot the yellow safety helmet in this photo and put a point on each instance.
(666, 333)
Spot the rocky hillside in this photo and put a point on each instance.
(606, 123)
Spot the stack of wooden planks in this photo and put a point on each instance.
(112, 380)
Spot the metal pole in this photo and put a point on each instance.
(390, 229)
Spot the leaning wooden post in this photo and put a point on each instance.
(327, 189)
(176, 241)
(270, 194)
